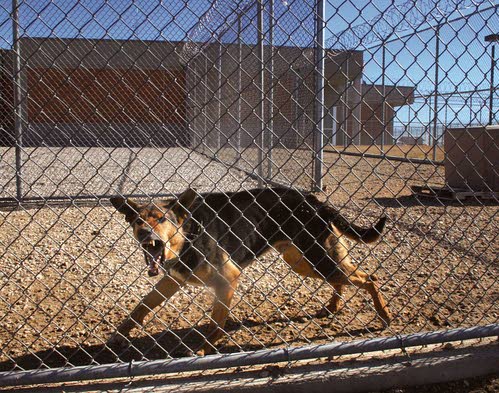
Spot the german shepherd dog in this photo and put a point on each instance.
(207, 239)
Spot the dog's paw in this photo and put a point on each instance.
(328, 311)
(207, 349)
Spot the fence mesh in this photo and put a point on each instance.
(370, 109)
(236, 89)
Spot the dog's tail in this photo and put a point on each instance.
(341, 226)
(354, 232)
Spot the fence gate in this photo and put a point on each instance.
(376, 109)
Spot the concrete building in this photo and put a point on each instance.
(134, 93)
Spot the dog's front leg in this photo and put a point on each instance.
(224, 292)
(218, 318)
(163, 290)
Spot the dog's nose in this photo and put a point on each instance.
(144, 235)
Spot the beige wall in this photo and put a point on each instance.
(359, 112)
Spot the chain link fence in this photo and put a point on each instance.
(373, 109)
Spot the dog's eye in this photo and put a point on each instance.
(139, 221)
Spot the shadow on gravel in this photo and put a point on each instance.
(425, 231)
(173, 343)
(413, 200)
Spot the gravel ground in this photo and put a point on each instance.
(69, 172)
(77, 171)
(70, 274)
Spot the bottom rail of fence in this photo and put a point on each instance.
(220, 361)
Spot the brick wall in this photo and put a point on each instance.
(6, 100)
(114, 105)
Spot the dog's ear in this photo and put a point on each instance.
(184, 202)
(125, 206)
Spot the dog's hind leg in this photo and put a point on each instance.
(300, 264)
(303, 267)
(334, 304)
(224, 290)
(163, 290)
(338, 270)
(349, 274)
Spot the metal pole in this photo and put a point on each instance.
(219, 96)
(346, 114)
(270, 126)
(435, 104)
(446, 103)
(383, 104)
(18, 112)
(320, 55)
(358, 108)
(428, 126)
(491, 97)
(409, 120)
(239, 84)
(471, 111)
(205, 104)
(261, 105)
(226, 360)
(482, 104)
(296, 107)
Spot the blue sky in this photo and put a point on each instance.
(170, 20)
(113, 19)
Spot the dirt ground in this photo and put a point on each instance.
(70, 274)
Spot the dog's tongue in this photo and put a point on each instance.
(153, 257)
(153, 267)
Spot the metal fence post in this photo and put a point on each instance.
(218, 126)
(239, 84)
(346, 112)
(270, 123)
(492, 38)
(18, 112)
(435, 103)
(261, 82)
(492, 88)
(320, 55)
(428, 125)
(383, 104)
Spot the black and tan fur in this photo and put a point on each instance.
(208, 239)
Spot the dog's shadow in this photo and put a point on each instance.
(174, 343)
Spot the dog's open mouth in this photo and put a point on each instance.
(153, 251)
